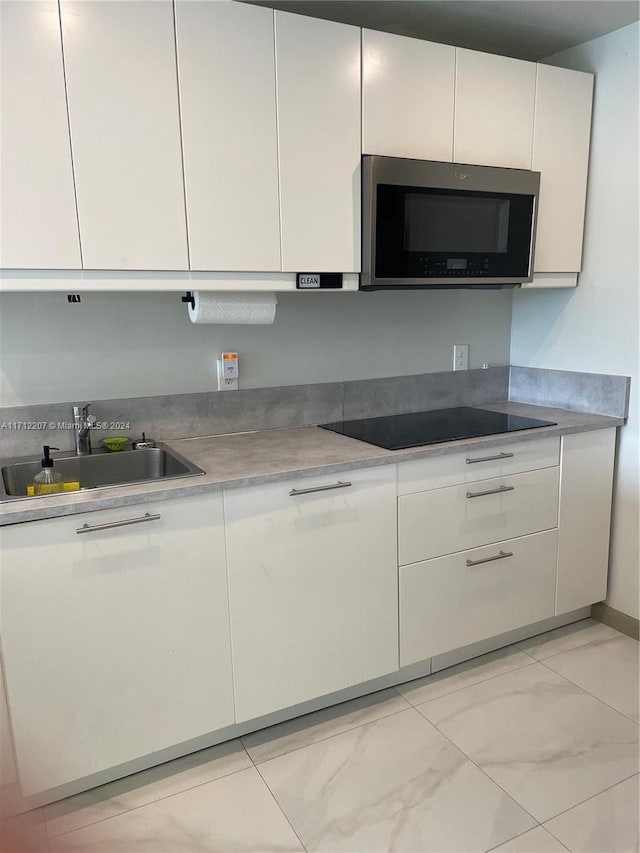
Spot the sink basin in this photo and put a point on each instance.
(99, 470)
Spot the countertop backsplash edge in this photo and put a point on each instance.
(167, 417)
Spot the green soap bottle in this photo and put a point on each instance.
(48, 481)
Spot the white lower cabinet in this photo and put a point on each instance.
(115, 641)
(466, 597)
(8, 775)
(168, 621)
(441, 521)
(477, 557)
(585, 518)
(312, 586)
(468, 466)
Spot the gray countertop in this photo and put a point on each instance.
(242, 459)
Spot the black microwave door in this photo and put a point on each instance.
(439, 233)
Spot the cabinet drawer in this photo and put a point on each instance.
(481, 464)
(467, 597)
(442, 521)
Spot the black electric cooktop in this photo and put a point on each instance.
(397, 432)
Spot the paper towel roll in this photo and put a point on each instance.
(233, 308)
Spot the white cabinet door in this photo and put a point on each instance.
(125, 131)
(440, 521)
(38, 224)
(115, 642)
(561, 155)
(226, 67)
(8, 775)
(469, 466)
(407, 97)
(312, 587)
(463, 598)
(494, 110)
(585, 518)
(318, 85)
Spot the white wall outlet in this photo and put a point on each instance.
(228, 371)
(461, 356)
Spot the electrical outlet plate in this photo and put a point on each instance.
(225, 384)
(461, 356)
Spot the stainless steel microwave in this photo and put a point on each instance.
(432, 224)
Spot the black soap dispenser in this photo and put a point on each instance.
(48, 481)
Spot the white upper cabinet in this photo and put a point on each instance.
(495, 98)
(227, 138)
(226, 69)
(407, 97)
(38, 224)
(125, 132)
(318, 86)
(561, 155)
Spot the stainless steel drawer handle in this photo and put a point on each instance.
(339, 485)
(90, 528)
(489, 458)
(499, 556)
(497, 491)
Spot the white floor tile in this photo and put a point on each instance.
(145, 787)
(463, 675)
(537, 840)
(607, 823)
(294, 734)
(607, 668)
(11, 800)
(233, 814)
(394, 784)
(545, 741)
(565, 638)
(23, 833)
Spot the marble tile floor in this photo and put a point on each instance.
(530, 749)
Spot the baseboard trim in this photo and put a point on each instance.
(616, 619)
(465, 653)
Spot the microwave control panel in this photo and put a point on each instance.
(430, 266)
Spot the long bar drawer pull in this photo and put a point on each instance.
(90, 528)
(489, 458)
(339, 485)
(499, 556)
(497, 491)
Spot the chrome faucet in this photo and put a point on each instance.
(82, 423)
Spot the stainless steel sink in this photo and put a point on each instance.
(99, 470)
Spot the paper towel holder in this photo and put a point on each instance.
(189, 298)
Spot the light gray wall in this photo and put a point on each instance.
(114, 345)
(595, 327)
